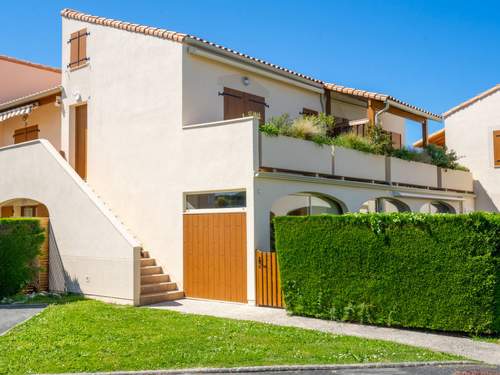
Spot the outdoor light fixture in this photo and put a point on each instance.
(246, 81)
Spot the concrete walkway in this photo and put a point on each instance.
(12, 315)
(476, 350)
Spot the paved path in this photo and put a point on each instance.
(11, 315)
(476, 350)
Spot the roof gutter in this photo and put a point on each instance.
(414, 111)
(379, 113)
(201, 49)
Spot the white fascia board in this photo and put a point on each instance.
(243, 63)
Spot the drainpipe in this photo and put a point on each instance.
(378, 113)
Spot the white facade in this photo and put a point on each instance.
(156, 133)
(469, 131)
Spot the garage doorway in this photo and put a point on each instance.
(215, 246)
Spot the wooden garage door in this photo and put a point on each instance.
(215, 265)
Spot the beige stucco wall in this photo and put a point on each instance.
(48, 119)
(90, 251)
(470, 133)
(203, 79)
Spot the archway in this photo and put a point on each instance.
(384, 205)
(24, 207)
(304, 204)
(437, 207)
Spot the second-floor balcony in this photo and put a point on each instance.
(236, 145)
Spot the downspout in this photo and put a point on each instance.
(378, 113)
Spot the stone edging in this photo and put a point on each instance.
(256, 369)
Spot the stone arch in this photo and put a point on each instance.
(437, 207)
(384, 204)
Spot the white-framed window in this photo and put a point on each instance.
(215, 200)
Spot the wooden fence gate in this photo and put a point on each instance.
(268, 285)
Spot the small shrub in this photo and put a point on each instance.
(442, 157)
(20, 241)
(355, 142)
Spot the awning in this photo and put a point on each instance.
(19, 111)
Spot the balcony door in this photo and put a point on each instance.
(81, 140)
(239, 104)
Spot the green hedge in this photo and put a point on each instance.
(20, 241)
(411, 270)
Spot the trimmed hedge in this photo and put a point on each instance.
(20, 241)
(410, 270)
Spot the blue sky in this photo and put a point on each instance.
(434, 54)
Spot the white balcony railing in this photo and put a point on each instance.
(298, 155)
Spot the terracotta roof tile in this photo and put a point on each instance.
(184, 38)
(29, 63)
(467, 103)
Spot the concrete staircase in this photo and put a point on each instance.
(156, 285)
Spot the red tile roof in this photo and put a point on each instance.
(29, 63)
(185, 38)
(472, 100)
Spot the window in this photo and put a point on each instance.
(238, 104)
(496, 147)
(396, 140)
(309, 112)
(26, 134)
(223, 199)
(78, 49)
(28, 211)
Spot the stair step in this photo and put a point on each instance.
(148, 262)
(154, 279)
(144, 254)
(150, 270)
(158, 287)
(148, 299)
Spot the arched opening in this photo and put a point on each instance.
(437, 207)
(384, 205)
(23, 207)
(304, 204)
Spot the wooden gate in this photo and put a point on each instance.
(215, 251)
(268, 285)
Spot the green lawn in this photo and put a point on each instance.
(93, 336)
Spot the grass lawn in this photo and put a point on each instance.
(94, 336)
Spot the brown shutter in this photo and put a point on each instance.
(7, 211)
(82, 46)
(396, 140)
(233, 104)
(496, 147)
(238, 104)
(28, 133)
(255, 104)
(73, 59)
(78, 48)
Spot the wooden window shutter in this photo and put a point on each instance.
(233, 104)
(496, 147)
(78, 48)
(28, 133)
(255, 104)
(7, 211)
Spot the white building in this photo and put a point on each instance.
(157, 156)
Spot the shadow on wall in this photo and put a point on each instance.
(483, 200)
(59, 279)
